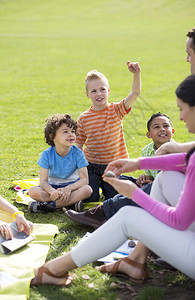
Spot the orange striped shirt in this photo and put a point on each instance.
(102, 133)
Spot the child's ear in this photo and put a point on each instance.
(148, 134)
(87, 94)
(173, 131)
(108, 90)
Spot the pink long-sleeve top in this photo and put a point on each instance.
(181, 216)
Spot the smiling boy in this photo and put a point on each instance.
(63, 168)
(100, 128)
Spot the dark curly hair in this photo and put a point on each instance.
(53, 123)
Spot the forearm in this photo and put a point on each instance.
(78, 184)
(47, 187)
(136, 88)
(7, 206)
(174, 162)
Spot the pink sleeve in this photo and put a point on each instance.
(179, 217)
(173, 162)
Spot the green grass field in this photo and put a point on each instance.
(46, 49)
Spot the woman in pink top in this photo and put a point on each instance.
(165, 225)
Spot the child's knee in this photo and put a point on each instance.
(88, 190)
(32, 192)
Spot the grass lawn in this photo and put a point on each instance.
(47, 48)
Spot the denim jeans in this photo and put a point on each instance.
(112, 205)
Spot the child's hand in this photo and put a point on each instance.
(133, 67)
(55, 195)
(143, 180)
(65, 194)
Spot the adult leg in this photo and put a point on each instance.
(167, 187)
(132, 221)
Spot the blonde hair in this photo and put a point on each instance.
(94, 74)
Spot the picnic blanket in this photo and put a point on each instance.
(22, 187)
(17, 268)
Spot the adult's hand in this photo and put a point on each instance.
(23, 224)
(122, 166)
(5, 230)
(123, 187)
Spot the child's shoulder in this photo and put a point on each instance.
(49, 149)
(75, 149)
(149, 147)
(86, 112)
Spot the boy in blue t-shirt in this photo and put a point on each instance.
(63, 168)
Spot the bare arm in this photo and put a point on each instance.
(136, 86)
(83, 175)
(21, 221)
(174, 147)
(44, 181)
(7, 206)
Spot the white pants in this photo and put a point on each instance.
(175, 246)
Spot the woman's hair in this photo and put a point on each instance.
(53, 123)
(186, 90)
(189, 154)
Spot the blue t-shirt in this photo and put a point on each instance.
(62, 169)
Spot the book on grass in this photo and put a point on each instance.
(19, 240)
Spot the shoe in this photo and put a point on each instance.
(162, 263)
(67, 279)
(94, 217)
(79, 206)
(43, 207)
(114, 270)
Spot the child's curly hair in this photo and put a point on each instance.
(53, 123)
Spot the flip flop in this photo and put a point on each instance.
(114, 270)
(67, 278)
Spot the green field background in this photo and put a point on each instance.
(46, 49)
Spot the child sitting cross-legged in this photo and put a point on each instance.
(63, 168)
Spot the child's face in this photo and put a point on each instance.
(98, 90)
(161, 131)
(65, 136)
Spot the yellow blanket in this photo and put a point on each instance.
(21, 263)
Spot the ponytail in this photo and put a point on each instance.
(189, 154)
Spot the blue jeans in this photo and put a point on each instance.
(112, 205)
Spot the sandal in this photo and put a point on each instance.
(114, 270)
(68, 279)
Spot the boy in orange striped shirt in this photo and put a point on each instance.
(100, 128)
